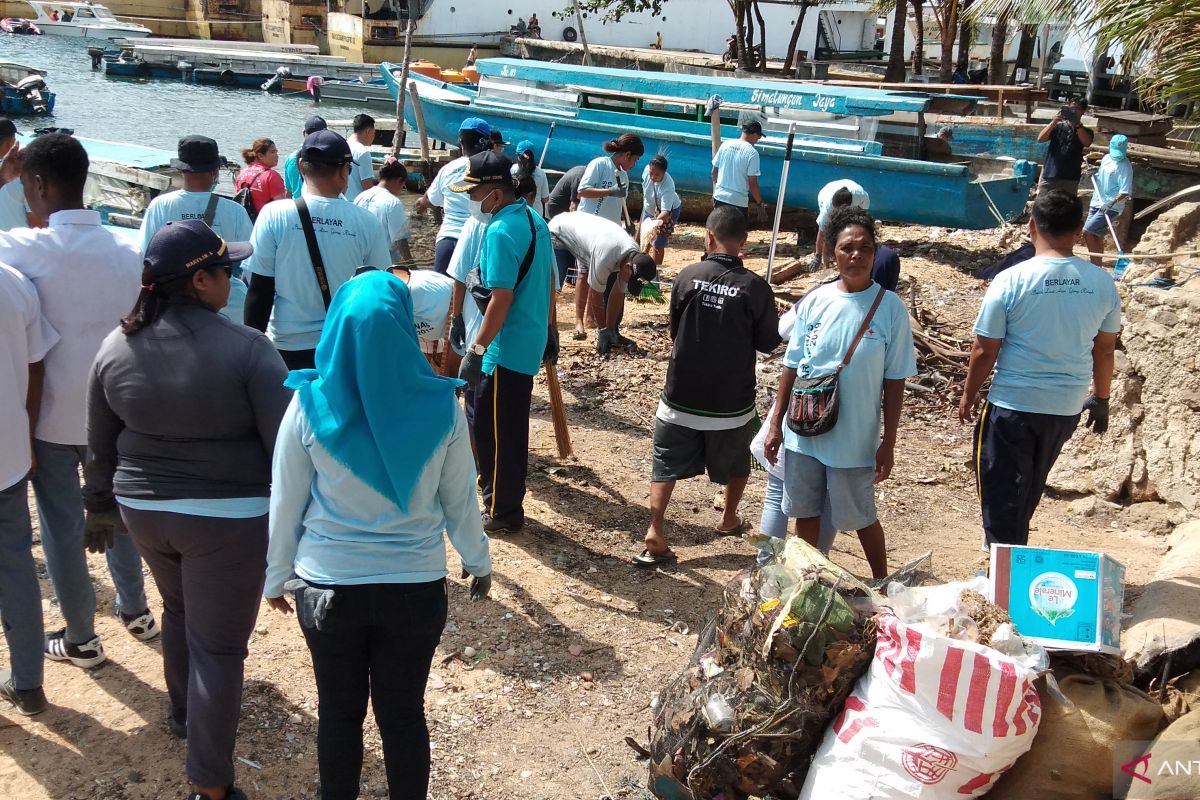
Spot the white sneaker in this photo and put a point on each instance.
(88, 654)
(143, 627)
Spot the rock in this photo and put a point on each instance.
(468, 652)
(1158, 518)
(575, 650)
(1084, 506)
(295, 719)
(1165, 618)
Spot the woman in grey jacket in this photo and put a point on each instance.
(183, 410)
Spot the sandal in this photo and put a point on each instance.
(578, 335)
(648, 559)
(737, 530)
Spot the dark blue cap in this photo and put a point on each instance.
(325, 147)
(477, 125)
(484, 169)
(314, 124)
(180, 248)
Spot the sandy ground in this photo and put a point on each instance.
(574, 642)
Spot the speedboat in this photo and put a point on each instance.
(23, 90)
(19, 26)
(84, 20)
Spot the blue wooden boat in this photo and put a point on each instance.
(23, 90)
(837, 130)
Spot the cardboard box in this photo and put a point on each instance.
(1063, 599)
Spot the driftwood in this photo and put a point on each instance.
(941, 358)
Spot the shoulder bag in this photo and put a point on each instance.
(314, 252)
(813, 408)
(210, 210)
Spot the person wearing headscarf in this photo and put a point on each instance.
(526, 165)
(372, 465)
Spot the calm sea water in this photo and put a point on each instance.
(157, 113)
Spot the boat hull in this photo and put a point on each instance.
(91, 31)
(12, 102)
(901, 190)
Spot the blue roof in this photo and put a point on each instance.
(783, 94)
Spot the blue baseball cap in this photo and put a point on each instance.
(182, 247)
(477, 125)
(1118, 146)
(314, 124)
(326, 147)
(524, 146)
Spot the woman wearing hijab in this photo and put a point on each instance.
(183, 410)
(372, 464)
(605, 182)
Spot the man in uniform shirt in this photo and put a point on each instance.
(362, 176)
(87, 278)
(293, 181)
(286, 297)
(735, 171)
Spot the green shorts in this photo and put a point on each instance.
(681, 453)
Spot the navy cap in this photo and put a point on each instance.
(477, 125)
(197, 154)
(182, 247)
(326, 147)
(486, 168)
(753, 127)
(7, 128)
(644, 271)
(314, 124)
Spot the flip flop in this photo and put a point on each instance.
(578, 335)
(736, 530)
(648, 559)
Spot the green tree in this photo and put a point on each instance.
(895, 68)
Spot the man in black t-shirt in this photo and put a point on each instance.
(1068, 139)
(721, 313)
(564, 196)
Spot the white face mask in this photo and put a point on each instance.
(478, 213)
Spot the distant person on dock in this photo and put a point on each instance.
(472, 56)
(259, 177)
(735, 171)
(199, 161)
(527, 165)
(834, 195)
(612, 263)
(661, 202)
(293, 181)
(362, 176)
(290, 283)
(474, 136)
(1068, 140)
(1114, 181)
(605, 182)
(1049, 326)
(87, 278)
(384, 201)
(14, 212)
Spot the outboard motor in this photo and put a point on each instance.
(33, 88)
(97, 55)
(275, 82)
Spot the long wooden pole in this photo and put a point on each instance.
(587, 56)
(558, 411)
(419, 114)
(783, 176)
(402, 91)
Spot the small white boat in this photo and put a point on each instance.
(83, 20)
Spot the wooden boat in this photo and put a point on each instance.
(836, 133)
(23, 90)
(220, 65)
(83, 20)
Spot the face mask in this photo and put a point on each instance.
(478, 214)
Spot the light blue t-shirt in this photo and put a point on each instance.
(1046, 312)
(521, 342)
(389, 210)
(363, 169)
(601, 173)
(431, 293)
(465, 258)
(736, 162)
(1114, 178)
(456, 206)
(348, 237)
(293, 181)
(826, 323)
(13, 211)
(663, 192)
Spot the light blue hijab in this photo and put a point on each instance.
(373, 401)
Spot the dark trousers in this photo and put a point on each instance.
(743, 210)
(299, 359)
(1014, 451)
(209, 571)
(443, 251)
(502, 443)
(376, 640)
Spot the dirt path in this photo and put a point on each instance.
(574, 642)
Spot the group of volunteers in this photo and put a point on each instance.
(275, 415)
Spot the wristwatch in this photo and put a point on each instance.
(478, 349)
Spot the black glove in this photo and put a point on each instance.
(471, 369)
(1097, 408)
(481, 587)
(605, 339)
(620, 188)
(816, 263)
(550, 356)
(100, 529)
(458, 334)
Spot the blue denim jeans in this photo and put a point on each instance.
(60, 510)
(20, 596)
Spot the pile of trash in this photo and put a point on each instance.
(769, 673)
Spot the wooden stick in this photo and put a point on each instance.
(558, 412)
(402, 90)
(419, 113)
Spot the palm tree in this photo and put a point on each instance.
(895, 67)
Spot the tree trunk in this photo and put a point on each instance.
(996, 71)
(746, 60)
(965, 34)
(918, 66)
(762, 35)
(794, 42)
(949, 30)
(739, 21)
(895, 67)
(1025, 53)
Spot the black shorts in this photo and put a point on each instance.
(745, 210)
(681, 453)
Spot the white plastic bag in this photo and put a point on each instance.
(934, 718)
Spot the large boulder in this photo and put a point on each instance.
(1165, 619)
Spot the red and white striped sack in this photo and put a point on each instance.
(934, 718)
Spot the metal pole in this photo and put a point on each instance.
(402, 90)
(546, 146)
(783, 176)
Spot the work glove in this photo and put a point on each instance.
(471, 369)
(1097, 408)
(100, 529)
(605, 339)
(816, 263)
(312, 604)
(621, 189)
(458, 334)
(550, 356)
(481, 585)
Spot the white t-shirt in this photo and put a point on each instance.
(858, 194)
(363, 169)
(543, 188)
(602, 245)
(87, 278)
(466, 258)
(230, 221)
(348, 237)
(736, 162)
(663, 192)
(456, 206)
(25, 338)
(602, 173)
(388, 209)
(431, 293)
(12, 206)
